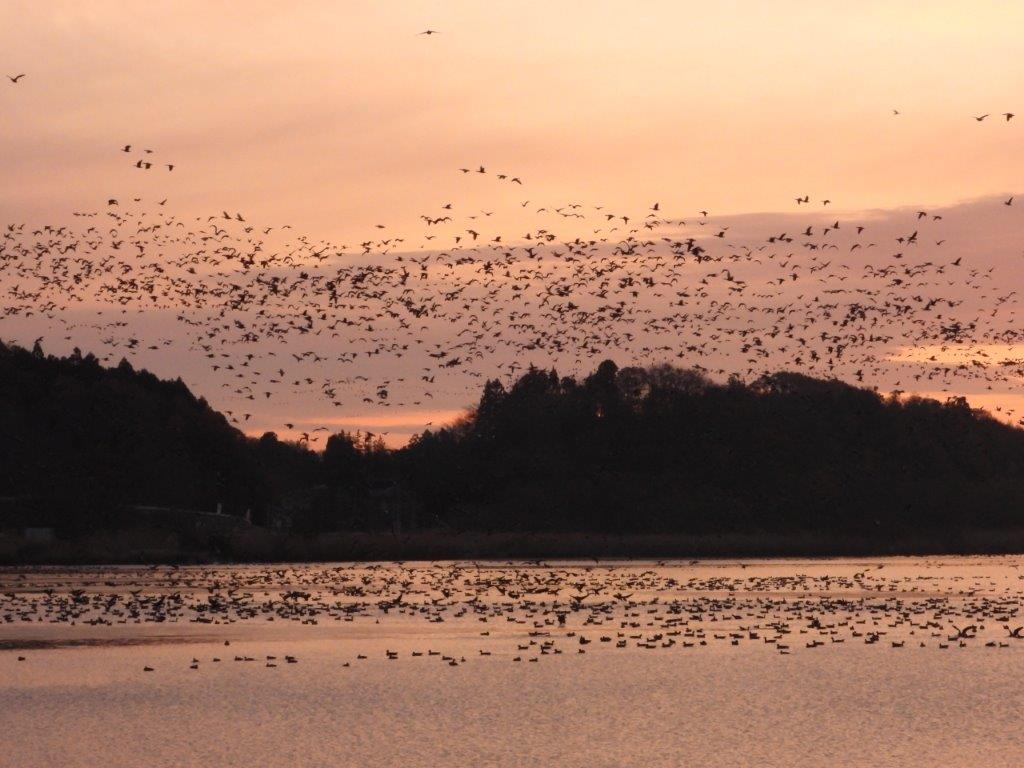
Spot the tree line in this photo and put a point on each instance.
(623, 450)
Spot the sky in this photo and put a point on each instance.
(336, 118)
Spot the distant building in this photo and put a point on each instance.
(188, 521)
(34, 522)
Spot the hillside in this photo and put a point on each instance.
(655, 452)
(667, 450)
(80, 440)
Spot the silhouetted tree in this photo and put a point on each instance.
(659, 449)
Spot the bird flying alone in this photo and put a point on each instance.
(15, 78)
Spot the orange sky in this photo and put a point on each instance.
(336, 117)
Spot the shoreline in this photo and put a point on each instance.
(255, 545)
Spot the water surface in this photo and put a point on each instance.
(893, 662)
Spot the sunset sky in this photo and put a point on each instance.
(338, 117)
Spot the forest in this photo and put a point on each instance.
(656, 450)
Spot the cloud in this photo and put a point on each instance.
(404, 420)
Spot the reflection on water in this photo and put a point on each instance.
(900, 661)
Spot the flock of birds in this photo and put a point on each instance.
(411, 319)
(522, 611)
(143, 163)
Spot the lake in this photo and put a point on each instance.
(893, 662)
